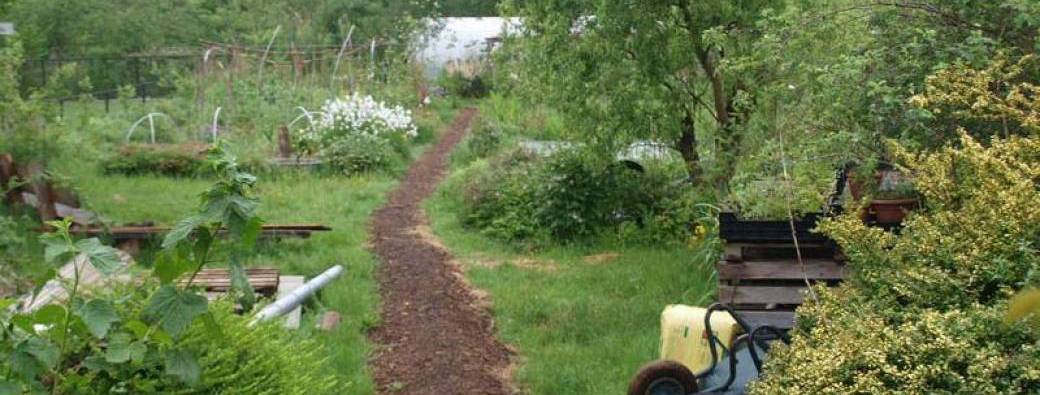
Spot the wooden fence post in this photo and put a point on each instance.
(41, 186)
(284, 143)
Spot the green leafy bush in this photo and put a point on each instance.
(498, 198)
(359, 153)
(185, 160)
(485, 138)
(574, 195)
(924, 310)
(579, 194)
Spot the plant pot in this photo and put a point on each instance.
(892, 211)
(858, 188)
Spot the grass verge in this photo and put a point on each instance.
(584, 318)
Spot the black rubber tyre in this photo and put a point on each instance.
(663, 377)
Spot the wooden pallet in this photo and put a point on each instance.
(264, 280)
(765, 282)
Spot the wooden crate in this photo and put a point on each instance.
(765, 282)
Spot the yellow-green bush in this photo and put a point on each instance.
(923, 311)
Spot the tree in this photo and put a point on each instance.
(471, 8)
(626, 71)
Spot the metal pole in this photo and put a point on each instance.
(296, 297)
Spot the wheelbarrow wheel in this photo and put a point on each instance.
(663, 377)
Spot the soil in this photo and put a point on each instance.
(436, 336)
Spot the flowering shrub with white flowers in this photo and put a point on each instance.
(355, 133)
(356, 115)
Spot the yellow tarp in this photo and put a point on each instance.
(683, 338)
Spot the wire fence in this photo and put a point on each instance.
(148, 76)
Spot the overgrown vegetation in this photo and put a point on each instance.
(133, 338)
(757, 103)
(573, 196)
(134, 159)
(927, 309)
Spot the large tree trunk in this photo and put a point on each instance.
(687, 146)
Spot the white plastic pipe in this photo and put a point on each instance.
(216, 116)
(286, 304)
(151, 124)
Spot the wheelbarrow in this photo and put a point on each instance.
(740, 362)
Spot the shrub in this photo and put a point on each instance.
(183, 160)
(486, 138)
(359, 153)
(579, 194)
(498, 198)
(574, 195)
(348, 127)
(923, 310)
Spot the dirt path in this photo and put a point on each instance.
(434, 338)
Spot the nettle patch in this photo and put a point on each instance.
(357, 134)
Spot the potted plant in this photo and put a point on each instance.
(892, 194)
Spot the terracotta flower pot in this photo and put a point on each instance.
(892, 211)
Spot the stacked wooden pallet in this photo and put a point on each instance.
(264, 280)
(267, 282)
(761, 274)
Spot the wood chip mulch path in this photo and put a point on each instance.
(434, 337)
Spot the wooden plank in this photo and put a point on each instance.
(226, 284)
(150, 232)
(250, 271)
(779, 319)
(738, 252)
(734, 252)
(743, 295)
(781, 270)
(286, 285)
(54, 291)
(263, 280)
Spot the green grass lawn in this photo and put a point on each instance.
(584, 318)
